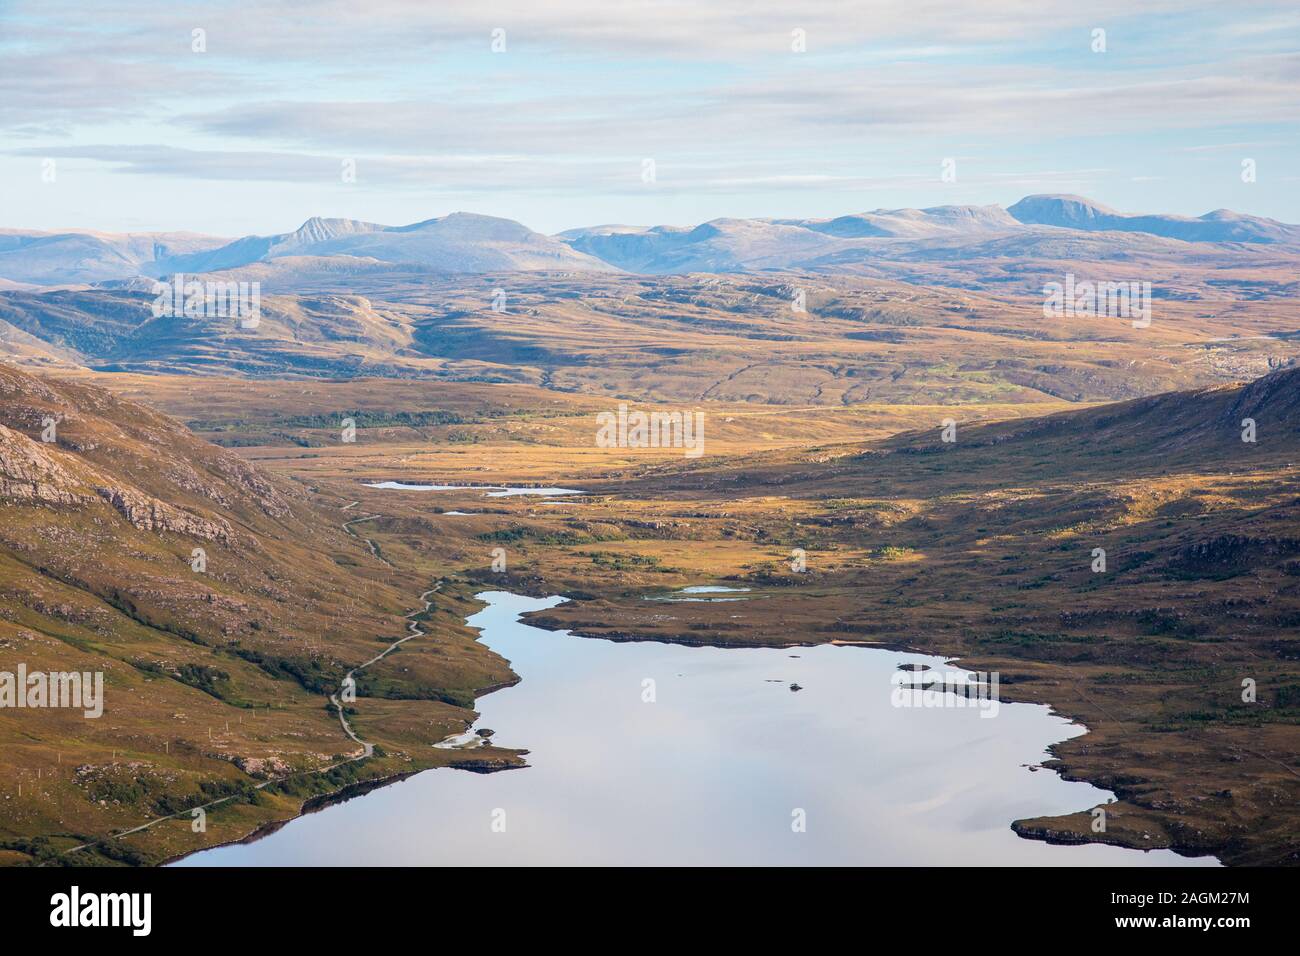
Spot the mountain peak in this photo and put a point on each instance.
(1059, 209)
(319, 229)
(472, 226)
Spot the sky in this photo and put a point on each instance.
(233, 118)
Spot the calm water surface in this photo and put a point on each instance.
(713, 771)
(489, 491)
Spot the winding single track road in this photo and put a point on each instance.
(367, 748)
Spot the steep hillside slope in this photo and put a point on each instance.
(222, 607)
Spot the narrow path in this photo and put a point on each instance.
(374, 548)
(415, 632)
(368, 748)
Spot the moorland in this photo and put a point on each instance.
(826, 486)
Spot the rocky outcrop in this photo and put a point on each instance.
(1230, 554)
(150, 514)
(242, 475)
(261, 767)
(28, 473)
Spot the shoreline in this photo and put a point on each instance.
(350, 791)
(360, 788)
(1037, 828)
(308, 806)
(1028, 828)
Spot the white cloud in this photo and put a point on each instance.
(709, 88)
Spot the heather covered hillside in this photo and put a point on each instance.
(223, 607)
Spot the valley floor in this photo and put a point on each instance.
(983, 551)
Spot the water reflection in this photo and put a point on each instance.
(715, 770)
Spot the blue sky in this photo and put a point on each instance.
(251, 134)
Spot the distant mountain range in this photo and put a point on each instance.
(469, 243)
(1035, 227)
(461, 242)
(1222, 225)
